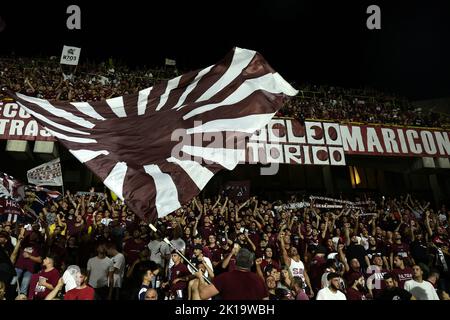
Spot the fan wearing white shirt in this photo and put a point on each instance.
(118, 260)
(419, 288)
(332, 291)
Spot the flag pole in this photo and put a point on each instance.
(179, 252)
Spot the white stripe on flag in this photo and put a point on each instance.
(171, 84)
(192, 86)
(87, 109)
(284, 86)
(241, 59)
(46, 105)
(266, 82)
(116, 105)
(50, 122)
(116, 177)
(248, 124)
(227, 158)
(85, 155)
(166, 191)
(199, 174)
(68, 138)
(142, 100)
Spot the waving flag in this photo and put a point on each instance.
(12, 193)
(132, 143)
(11, 188)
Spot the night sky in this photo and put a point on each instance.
(310, 41)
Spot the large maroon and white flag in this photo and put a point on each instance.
(158, 148)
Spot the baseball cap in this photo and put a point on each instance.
(198, 247)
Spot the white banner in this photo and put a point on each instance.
(170, 62)
(70, 55)
(47, 174)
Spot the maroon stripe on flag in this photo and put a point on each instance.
(210, 78)
(140, 193)
(176, 93)
(187, 189)
(130, 102)
(155, 97)
(101, 166)
(258, 102)
(103, 108)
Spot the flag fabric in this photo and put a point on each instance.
(38, 198)
(158, 148)
(47, 174)
(51, 194)
(12, 193)
(11, 188)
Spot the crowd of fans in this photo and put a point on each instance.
(87, 246)
(90, 81)
(364, 106)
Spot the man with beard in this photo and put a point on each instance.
(392, 291)
(332, 291)
(420, 288)
(42, 283)
(355, 291)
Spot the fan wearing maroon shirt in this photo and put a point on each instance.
(399, 248)
(133, 247)
(356, 287)
(349, 268)
(81, 292)
(29, 257)
(215, 251)
(268, 260)
(240, 284)
(179, 275)
(207, 228)
(43, 282)
(402, 272)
